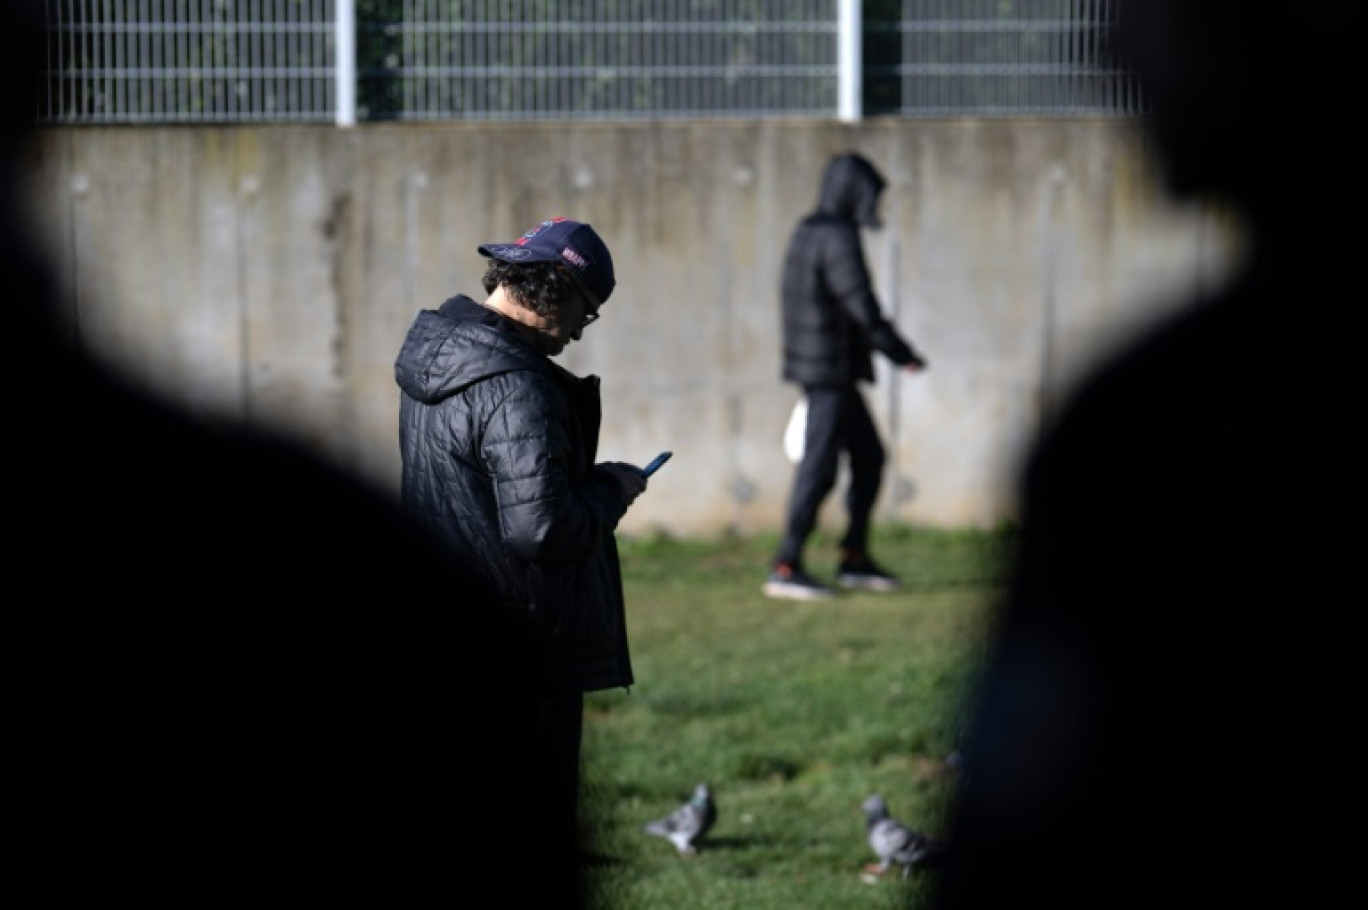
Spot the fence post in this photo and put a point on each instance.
(849, 32)
(345, 65)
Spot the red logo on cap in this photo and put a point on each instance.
(537, 230)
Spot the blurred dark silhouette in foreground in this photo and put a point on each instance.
(1165, 706)
(232, 676)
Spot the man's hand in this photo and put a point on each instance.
(628, 476)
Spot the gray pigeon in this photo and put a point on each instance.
(688, 823)
(892, 841)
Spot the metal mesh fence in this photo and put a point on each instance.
(599, 59)
(937, 58)
(189, 61)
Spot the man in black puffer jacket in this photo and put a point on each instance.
(831, 322)
(498, 447)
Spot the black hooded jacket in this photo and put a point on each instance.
(498, 446)
(831, 318)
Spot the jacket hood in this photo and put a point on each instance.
(458, 344)
(850, 190)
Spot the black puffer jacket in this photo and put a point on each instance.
(831, 318)
(498, 446)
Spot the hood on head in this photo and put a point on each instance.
(851, 187)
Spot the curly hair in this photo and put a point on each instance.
(542, 287)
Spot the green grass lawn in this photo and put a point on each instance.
(792, 712)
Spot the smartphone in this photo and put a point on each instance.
(656, 463)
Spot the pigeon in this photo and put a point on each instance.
(688, 823)
(894, 842)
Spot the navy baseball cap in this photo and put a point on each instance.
(573, 244)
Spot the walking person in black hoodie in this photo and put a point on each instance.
(498, 446)
(832, 321)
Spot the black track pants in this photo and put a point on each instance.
(837, 421)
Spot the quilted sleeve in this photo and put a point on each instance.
(848, 278)
(552, 509)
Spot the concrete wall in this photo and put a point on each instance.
(270, 272)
